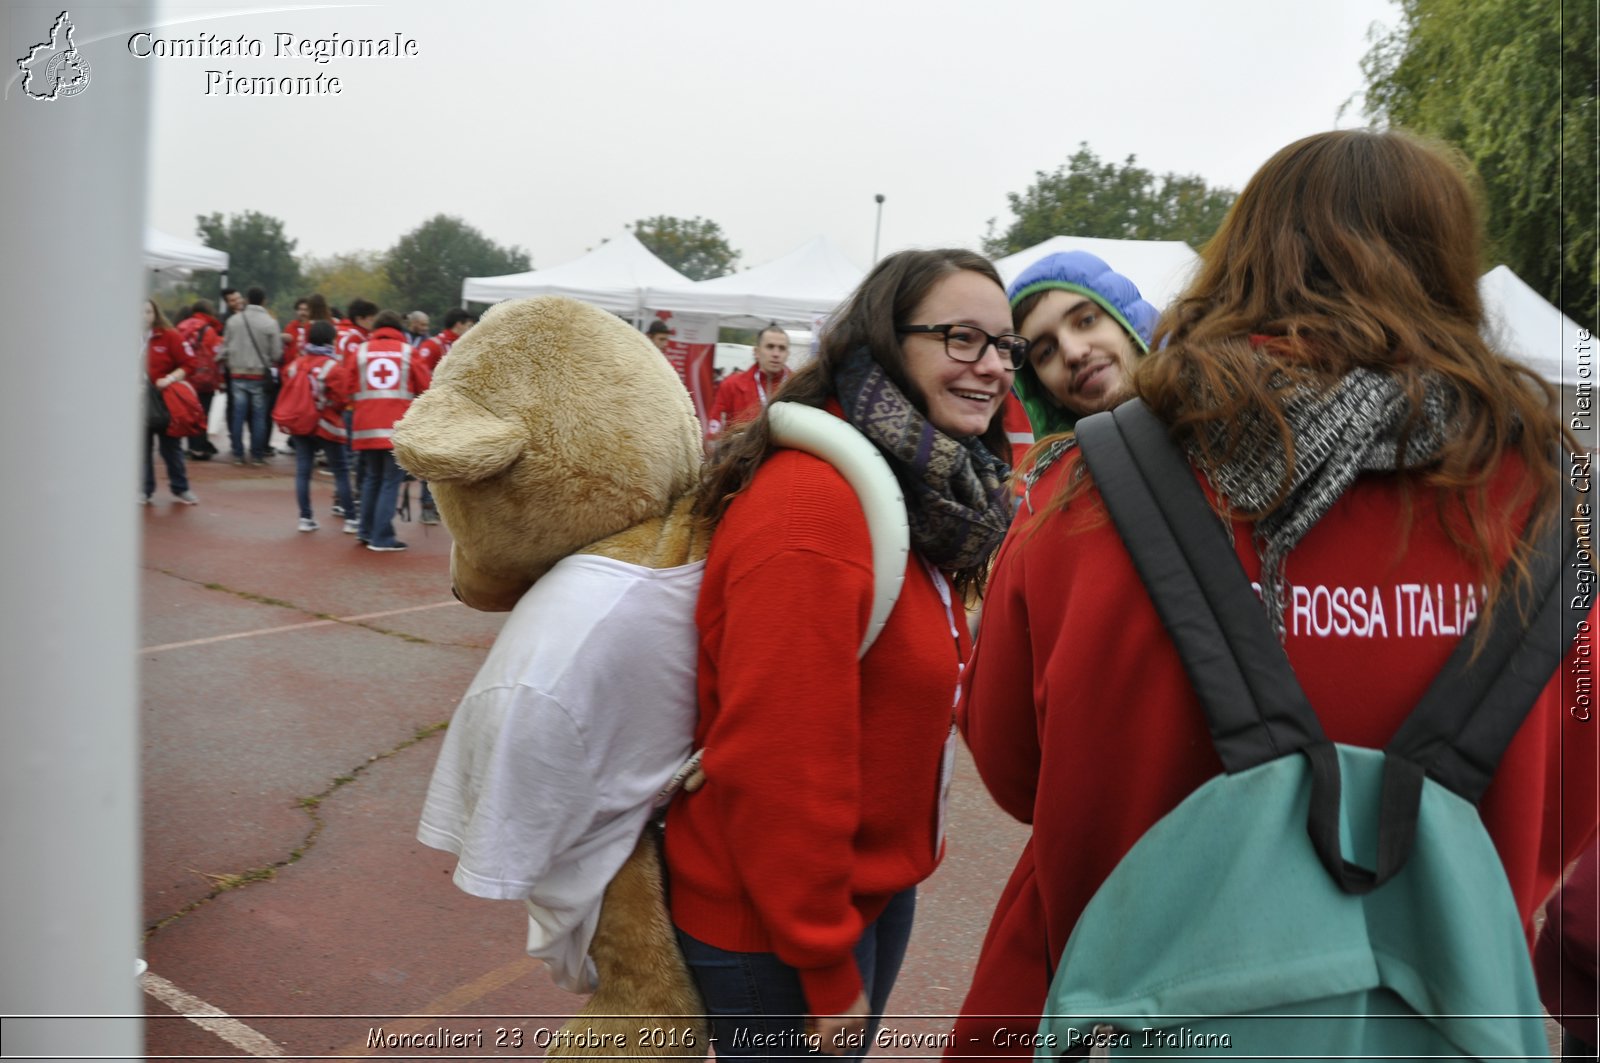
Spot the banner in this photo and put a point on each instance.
(691, 346)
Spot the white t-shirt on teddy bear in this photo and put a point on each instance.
(581, 713)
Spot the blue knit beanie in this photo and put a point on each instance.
(1088, 275)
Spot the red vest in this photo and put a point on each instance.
(387, 375)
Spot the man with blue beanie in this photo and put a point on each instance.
(1085, 324)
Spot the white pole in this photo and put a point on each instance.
(878, 228)
(71, 219)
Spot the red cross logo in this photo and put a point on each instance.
(382, 374)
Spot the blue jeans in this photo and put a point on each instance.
(248, 398)
(305, 456)
(172, 456)
(755, 1003)
(380, 489)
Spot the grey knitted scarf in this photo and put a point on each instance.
(1339, 432)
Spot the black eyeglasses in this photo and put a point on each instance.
(966, 343)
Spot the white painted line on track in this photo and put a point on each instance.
(210, 1017)
(294, 627)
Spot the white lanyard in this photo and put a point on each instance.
(942, 585)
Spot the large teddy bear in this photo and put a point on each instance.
(563, 452)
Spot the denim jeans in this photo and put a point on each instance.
(248, 398)
(305, 457)
(172, 456)
(380, 489)
(755, 1003)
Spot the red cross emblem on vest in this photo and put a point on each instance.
(382, 374)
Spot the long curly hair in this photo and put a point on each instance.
(881, 303)
(1361, 249)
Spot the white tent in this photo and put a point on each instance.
(1524, 326)
(797, 289)
(163, 251)
(613, 277)
(1160, 268)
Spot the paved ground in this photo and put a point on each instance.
(294, 691)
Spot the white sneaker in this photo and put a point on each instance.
(188, 498)
(307, 524)
(352, 527)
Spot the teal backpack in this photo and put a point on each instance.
(1246, 924)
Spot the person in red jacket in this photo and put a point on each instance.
(432, 351)
(317, 358)
(1327, 374)
(381, 377)
(742, 396)
(166, 361)
(202, 332)
(793, 870)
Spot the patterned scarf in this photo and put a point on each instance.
(956, 499)
(1339, 433)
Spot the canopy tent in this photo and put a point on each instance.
(1524, 326)
(1159, 267)
(613, 277)
(163, 251)
(797, 289)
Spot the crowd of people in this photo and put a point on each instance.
(350, 373)
(1326, 381)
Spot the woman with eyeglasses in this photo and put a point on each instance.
(1375, 463)
(793, 871)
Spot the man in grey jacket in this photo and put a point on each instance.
(253, 346)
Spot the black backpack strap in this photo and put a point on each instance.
(1253, 703)
(1462, 726)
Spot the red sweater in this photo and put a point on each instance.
(1082, 722)
(742, 397)
(821, 797)
(433, 349)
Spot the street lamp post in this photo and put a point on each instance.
(878, 228)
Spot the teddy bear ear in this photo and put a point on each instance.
(446, 436)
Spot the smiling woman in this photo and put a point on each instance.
(793, 871)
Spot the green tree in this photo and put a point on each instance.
(695, 247)
(1513, 86)
(1088, 197)
(427, 265)
(258, 252)
(354, 274)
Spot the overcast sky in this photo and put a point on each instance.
(552, 123)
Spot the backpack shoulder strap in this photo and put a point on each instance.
(863, 466)
(1473, 709)
(1254, 705)
(1456, 735)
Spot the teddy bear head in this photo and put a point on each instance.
(550, 425)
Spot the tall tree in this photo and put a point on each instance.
(258, 252)
(427, 265)
(354, 274)
(1513, 86)
(1088, 197)
(695, 247)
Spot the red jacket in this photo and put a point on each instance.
(294, 339)
(381, 378)
(1082, 722)
(203, 335)
(164, 351)
(823, 773)
(330, 411)
(433, 349)
(742, 397)
(350, 337)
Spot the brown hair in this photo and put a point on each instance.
(317, 307)
(868, 319)
(161, 323)
(1359, 249)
